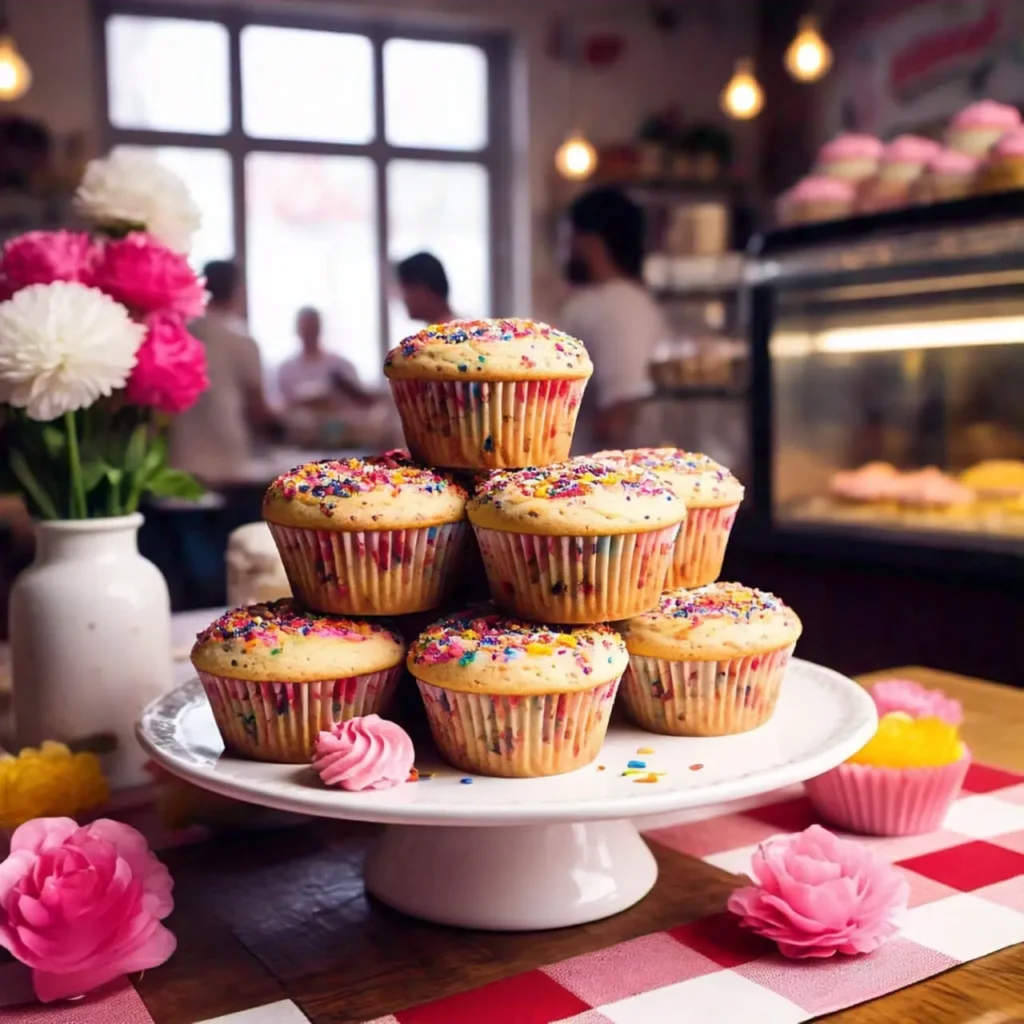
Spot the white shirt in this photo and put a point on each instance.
(622, 326)
(308, 380)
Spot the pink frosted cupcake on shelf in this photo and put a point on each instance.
(709, 661)
(488, 394)
(950, 174)
(511, 698)
(980, 125)
(277, 676)
(915, 700)
(874, 483)
(816, 199)
(579, 541)
(374, 536)
(851, 157)
(1004, 165)
(903, 162)
(901, 783)
(712, 496)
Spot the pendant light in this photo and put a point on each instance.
(808, 57)
(576, 158)
(15, 76)
(743, 97)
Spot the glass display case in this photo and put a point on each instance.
(888, 380)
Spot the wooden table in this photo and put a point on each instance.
(282, 915)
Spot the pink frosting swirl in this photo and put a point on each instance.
(910, 149)
(364, 753)
(949, 161)
(987, 114)
(915, 700)
(1011, 144)
(817, 189)
(851, 146)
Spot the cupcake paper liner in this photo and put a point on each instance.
(700, 547)
(519, 736)
(887, 801)
(576, 579)
(278, 721)
(704, 698)
(382, 572)
(488, 424)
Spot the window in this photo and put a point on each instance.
(319, 154)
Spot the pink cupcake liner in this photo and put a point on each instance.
(488, 424)
(887, 801)
(576, 579)
(704, 698)
(519, 737)
(279, 721)
(382, 572)
(700, 547)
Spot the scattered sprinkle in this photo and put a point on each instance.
(636, 764)
(414, 775)
(645, 750)
(600, 767)
(575, 478)
(715, 601)
(696, 767)
(466, 781)
(650, 777)
(705, 478)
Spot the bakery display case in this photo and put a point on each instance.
(888, 386)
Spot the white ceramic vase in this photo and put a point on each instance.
(90, 630)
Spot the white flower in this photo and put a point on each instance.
(62, 345)
(131, 189)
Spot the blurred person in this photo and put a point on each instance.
(316, 376)
(425, 290)
(612, 313)
(214, 439)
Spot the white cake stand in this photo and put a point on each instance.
(522, 854)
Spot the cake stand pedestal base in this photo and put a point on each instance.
(511, 878)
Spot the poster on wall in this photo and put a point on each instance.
(912, 64)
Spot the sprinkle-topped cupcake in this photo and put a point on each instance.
(711, 495)
(381, 535)
(708, 661)
(487, 394)
(513, 698)
(277, 675)
(579, 541)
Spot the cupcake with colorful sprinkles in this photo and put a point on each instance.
(488, 394)
(512, 698)
(711, 495)
(277, 676)
(708, 661)
(901, 783)
(580, 541)
(374, 536)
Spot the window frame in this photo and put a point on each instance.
(495, 156)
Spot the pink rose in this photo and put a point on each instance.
(82, 906)
(148, 277)
(42, 257)
(817, 895)
(170, 367)
(915, 700)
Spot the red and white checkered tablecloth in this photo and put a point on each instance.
(967, 900)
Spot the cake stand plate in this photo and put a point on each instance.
(521, 854)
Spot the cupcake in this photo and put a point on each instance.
(851, 157)
(903, 162)
(929, 491)
(711, 495)
(948, 175)
(901, 783)
(709, 661)
(874, 483)
(277, 676)
(513, 698)
(980, 125)
(1004, 165)
(816, 199)
(580, 541)
(995, 478)
(488, 394)
(373, 536)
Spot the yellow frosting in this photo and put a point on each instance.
(697, 479)
(905, 742)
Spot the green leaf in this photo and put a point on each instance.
(92, 473)
(175, 483)
(155, 460)
(32, 487)
(136, 450)
(54, 440)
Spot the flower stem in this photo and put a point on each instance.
(78, 509)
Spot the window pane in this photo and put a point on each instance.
(442, 208)
(168, 74)
(312, 241)
(207, 173)
(307, 85)
(435, 94)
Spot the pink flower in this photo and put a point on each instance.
(170, 366)
(817, 895)
(915, 700)
(42, 257)
(148, 277)
(82, 906)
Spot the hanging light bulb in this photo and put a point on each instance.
(743, 97)
(808, 57)
(15, 75)
(576, 158)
